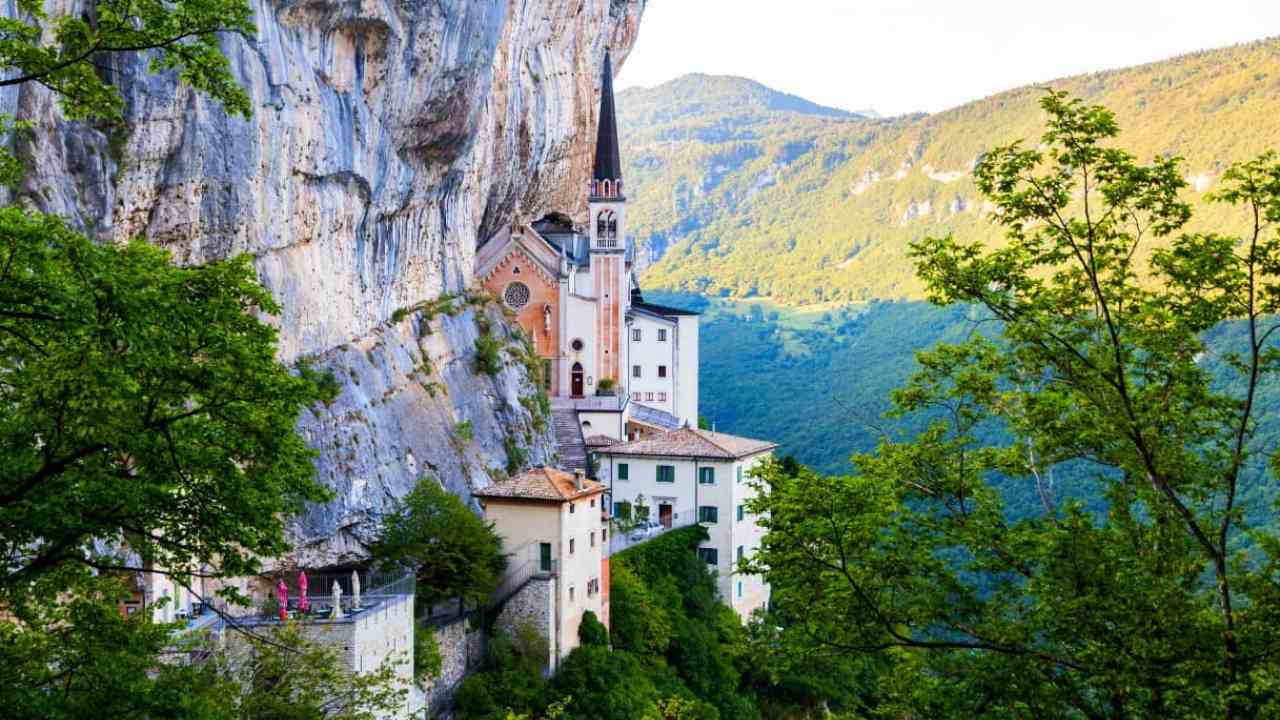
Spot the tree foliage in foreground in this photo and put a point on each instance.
(1165, 604)
(144, 422)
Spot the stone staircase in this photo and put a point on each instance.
(569, 441)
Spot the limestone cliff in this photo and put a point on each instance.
(388, 139)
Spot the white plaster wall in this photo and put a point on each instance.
(686, 494)
(602, 423)
(649, 353)
(583, 525)
(687, 361)
(749, 534)
(580, 323)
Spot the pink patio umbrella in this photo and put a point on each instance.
(283, 591)
(303, 603)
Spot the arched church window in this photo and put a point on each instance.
(607, 188)
(516, 295)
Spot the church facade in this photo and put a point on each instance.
(624, 367)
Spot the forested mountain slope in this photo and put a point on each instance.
(740, 191)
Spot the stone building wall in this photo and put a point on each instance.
(462, 649)
(533, 605)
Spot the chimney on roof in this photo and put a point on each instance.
(579, 478)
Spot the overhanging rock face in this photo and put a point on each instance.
(387, 140)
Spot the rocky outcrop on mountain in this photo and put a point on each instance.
(387, 141)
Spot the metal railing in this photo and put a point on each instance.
(523, 564)
(319, 606)
(629, 533)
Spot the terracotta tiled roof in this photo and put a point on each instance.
(544, 483)
(601, 441)
(692, 442)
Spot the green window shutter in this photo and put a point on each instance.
(666, 473)
(708, 514)
(544, 559)
(624, 471)
(710, 556)
(741, 512)
(707, 475)
(739, 473)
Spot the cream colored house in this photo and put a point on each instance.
(555, 532)
(689, 475)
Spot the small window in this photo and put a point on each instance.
(604, 535)
(571, 508)
(739, 588)
(593, 502)
(662, 334)
(648, 396)
(707, 476)
(593, 543)
(570, 593)
(544, 559)
(739, 473)
(662, 397)
(666, 473)
(617, 510)
(662, 371)
(709, 556)
(742, 512)
(741, 553)
(624, 471)
(546, 375)
(570, 546)
(635, 334)
(708, 514)
(635, 371)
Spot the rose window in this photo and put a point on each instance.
(516, 296)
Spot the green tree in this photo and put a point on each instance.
(287, 676)
(1164, 604)
(142, 406)
(65, 53)
(453, 553)
(145, 424)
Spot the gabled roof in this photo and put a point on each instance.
(692, 443)
(608, 158)
(544, 483)
(525, 241)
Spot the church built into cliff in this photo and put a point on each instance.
(616, 367)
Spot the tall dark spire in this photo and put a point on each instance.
(608, 159)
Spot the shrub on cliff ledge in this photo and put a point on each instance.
(452, 552)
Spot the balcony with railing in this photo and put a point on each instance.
(629, 532)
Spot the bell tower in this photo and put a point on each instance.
(607, 205)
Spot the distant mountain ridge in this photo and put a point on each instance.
(740, 191)
(698, 93)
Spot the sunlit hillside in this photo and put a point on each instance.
(739, 191)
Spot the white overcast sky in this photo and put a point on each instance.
(897, 56)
